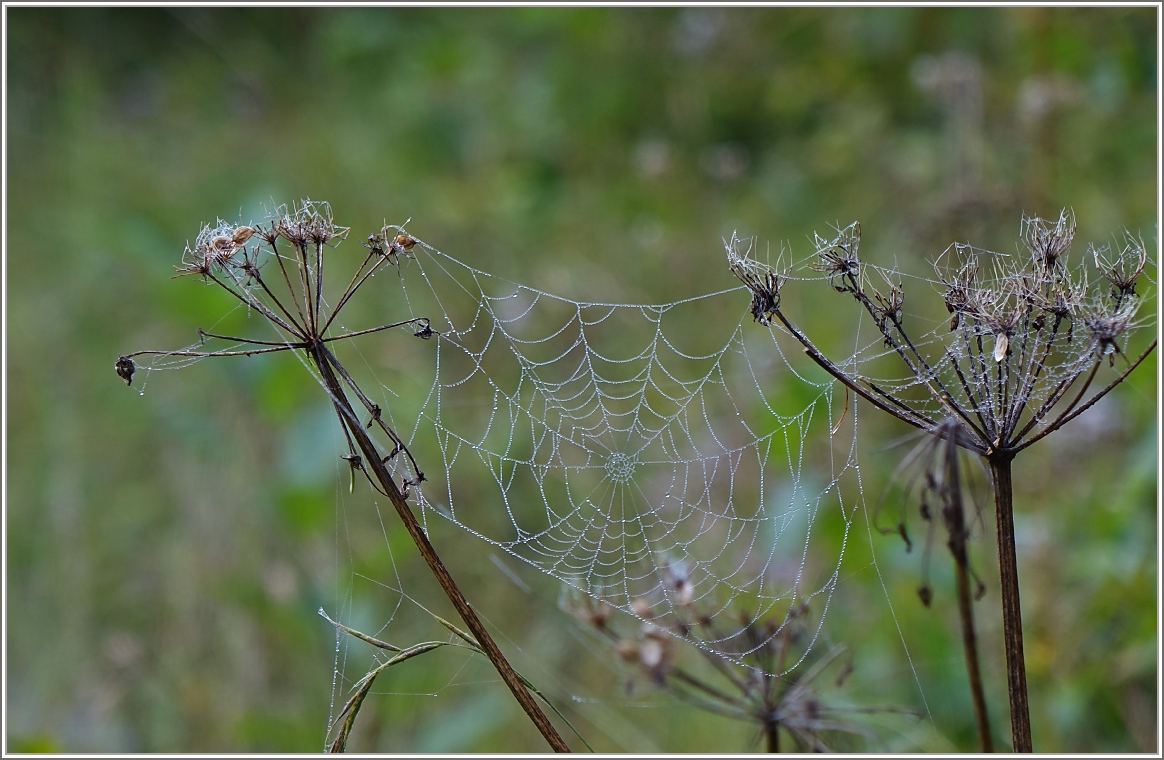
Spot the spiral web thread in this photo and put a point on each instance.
(616, 447)
(623, 451)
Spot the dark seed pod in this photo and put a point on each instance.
(125, 368)
(926, 594)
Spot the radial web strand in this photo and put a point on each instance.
(641, 454)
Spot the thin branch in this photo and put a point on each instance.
(207, 354)
(203, 334)
(373, 410)
(927, 422)
(1068, 416)
(1053, 398)
(258, 306)
(318, 281)
(695, 683)
(837, 373)
(943, 397)
(970, 396)
(304, 268)
(1030, 378)
(1083, 391)
(350, 290)
(277, 302)
(375, 329)
(287, 279)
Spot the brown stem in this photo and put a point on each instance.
(958, 535)
(373, 461)
(1012, 617)
(772, 728)
(908, 416)
(970, 648)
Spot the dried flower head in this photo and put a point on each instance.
(642, 608)
(961, 294)
(677, 582)
(887, 308)
(214, 250)
(309, 222)
(771, 681)
(1047, 241)
(762, 280)
(1108, 324)
(125, 368)
(1009, 363)
(837, 258)
(585, 608)
(1123, 268)
(294, 300)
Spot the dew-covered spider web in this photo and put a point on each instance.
(655, 456)
(669, 456)
(663, 459)
(678, 459)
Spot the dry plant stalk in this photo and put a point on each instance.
(1027, 338)
(943, 487)
(221, 255)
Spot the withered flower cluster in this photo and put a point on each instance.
(295, 243)
(1027, 337)
(293, 299)
(770, 679)
(1027, 333)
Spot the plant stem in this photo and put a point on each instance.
(958, 535)
(372, 460)
(1012, 617)
(970, 648)
(772, 729)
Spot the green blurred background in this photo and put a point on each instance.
(167, 552)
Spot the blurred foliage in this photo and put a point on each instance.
(167, 552)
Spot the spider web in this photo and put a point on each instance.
(667, 457)
(656, 456)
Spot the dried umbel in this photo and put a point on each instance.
(1048, 241)
(837, 258)
(1123, 268)
(277, 270)
(762, 281)
(772, 681)
(1011, 369)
